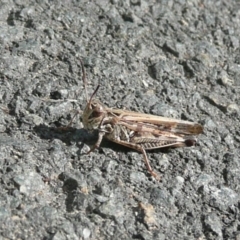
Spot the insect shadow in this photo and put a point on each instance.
(80, 137)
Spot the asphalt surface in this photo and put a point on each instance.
(176, 59)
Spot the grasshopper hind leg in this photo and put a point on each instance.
(149, 168)
(138, 148)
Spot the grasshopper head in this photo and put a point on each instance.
(94, 113)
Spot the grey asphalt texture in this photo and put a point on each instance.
(178, 59)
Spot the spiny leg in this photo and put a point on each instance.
(97, 144)
(140, 149)
(149, 168)
(70, 123)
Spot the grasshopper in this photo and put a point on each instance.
(135, 130)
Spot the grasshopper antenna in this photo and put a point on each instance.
(95, 91)
(88, 100)
(84, 79)
(85, 83)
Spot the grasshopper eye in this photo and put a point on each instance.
(95, 114)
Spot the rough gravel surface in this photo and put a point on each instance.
(178, 59)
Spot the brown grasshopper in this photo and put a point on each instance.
(135, 130)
